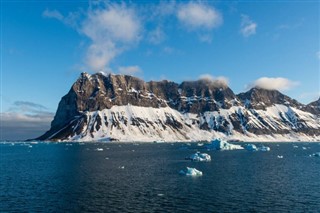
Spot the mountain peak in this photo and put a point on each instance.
(260, 98)
(123, 107)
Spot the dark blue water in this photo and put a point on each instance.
(145, 178)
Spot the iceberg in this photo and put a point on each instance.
(219, 144)
(99, 149)
(190, 172)
(264, 148)
(199, 157)
(252, 147)
(317, 154)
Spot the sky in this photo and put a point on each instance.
(45, 45)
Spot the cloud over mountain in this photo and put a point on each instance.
(273, 83)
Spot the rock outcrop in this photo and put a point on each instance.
(125, 108)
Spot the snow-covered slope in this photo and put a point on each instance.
(125, 108)
(135, 123)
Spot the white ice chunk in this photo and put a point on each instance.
(252, 147)
(219, 144)
(99, 149)
(317, 154)
(264, 148)
(191, 172)
(199, 157)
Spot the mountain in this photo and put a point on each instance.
(314, 107)
(125, 108)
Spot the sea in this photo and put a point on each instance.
(144, 177)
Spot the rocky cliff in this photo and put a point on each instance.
(125, 108)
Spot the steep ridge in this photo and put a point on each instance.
(125, 108)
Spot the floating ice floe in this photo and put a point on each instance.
(280, 156)
(99, 149)
(264, 148)
(317, 154)
(219, 144)
(191, 172)
(252, 147)
(199, 157)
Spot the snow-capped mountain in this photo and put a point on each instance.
(125, 108)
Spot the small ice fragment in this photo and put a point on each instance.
(280, 156)
(99, 149)
(264, 148)
(121, 167)
(251, 147)
(199, 157)
(317, 154)
(191, 172)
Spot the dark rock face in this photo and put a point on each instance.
(243, 113)
(257, 98)
(314, 107)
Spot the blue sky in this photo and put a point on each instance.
(46, 45)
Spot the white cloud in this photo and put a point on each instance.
(273, 83)
(197, 15)
(219, 81)
(156, 36)
(52, 14)
(130, 70)
(111, 29)
(248, 27)
(100, 53)
(116, 22)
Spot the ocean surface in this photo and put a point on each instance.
(75, 177)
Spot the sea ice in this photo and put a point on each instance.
(191, 172)
(280, 156)
(264, 148)
(252, 147)
(219, 144)
(317, 154)
(199, 157)
(99, 149)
